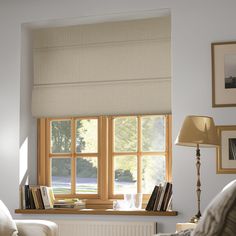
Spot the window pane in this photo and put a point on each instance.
(125, 168)
(61, 175)
(153, 172)
(61, 136)
(86, 172)
(125, 134)
(87, 136)
(153, 134)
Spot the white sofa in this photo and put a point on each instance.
(10, 227)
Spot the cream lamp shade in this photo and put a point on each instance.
(198, 130)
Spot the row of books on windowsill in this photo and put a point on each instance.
(161, 198)
(42, 197)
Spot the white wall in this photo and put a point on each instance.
(28, 125)
(195, 24)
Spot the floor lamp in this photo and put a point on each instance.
(198, 131)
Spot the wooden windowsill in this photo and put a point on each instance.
(141, 212)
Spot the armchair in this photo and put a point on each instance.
(10, 227)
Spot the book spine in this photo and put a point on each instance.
(152, 199)
(22, 197)
(157, 198)
(50, 196)
(45, 197)
(36, 203)
(167, 198)
(162, 197)
(27, 197)
(31, 199)
(40, 200)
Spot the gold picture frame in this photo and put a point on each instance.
(226, 152)
(223, 74)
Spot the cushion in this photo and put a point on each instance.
(219, 216)
(229, 227)
(7, 225)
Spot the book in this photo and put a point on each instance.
(157, 198)
(58, 205)
(70, 203)
(167, 197)
(31, 199)
(27, 196)
(22, 197)
(162, 197)
(152, 199)
(81, 204)
(47, 196)
(40, 200)
(66, 201)
(169, 206)
(33, 189)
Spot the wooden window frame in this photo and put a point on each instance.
(105, 154)
(138, 153)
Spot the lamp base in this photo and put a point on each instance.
(195, 218)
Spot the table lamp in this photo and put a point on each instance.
(198, 131)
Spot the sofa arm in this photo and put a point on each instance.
(36, 228)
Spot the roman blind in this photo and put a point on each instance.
(105, 68)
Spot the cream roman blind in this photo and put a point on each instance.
(107, 68)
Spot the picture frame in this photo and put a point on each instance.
(226, 152)
(223, 74)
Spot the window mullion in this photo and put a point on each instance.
(168, 155)
(103, 159)
(73, 159)
(48, 160)
(139, 156)
(124, 153)
(42, 147)
(154, 153)
(110, 157)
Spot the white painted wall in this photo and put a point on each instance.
(195, 24)
(28, 125)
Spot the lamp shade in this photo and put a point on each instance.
(199, 130)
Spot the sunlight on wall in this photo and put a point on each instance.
(23, 165)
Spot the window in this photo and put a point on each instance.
(101, 158)
(74, 156)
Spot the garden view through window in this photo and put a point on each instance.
(136, 150)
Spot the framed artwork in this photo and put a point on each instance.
(223, 74)
(226, 152)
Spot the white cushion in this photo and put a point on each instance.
(7, 225)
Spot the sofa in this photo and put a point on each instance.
(219, 218)
(10, 227)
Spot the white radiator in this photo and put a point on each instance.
(104, 228)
